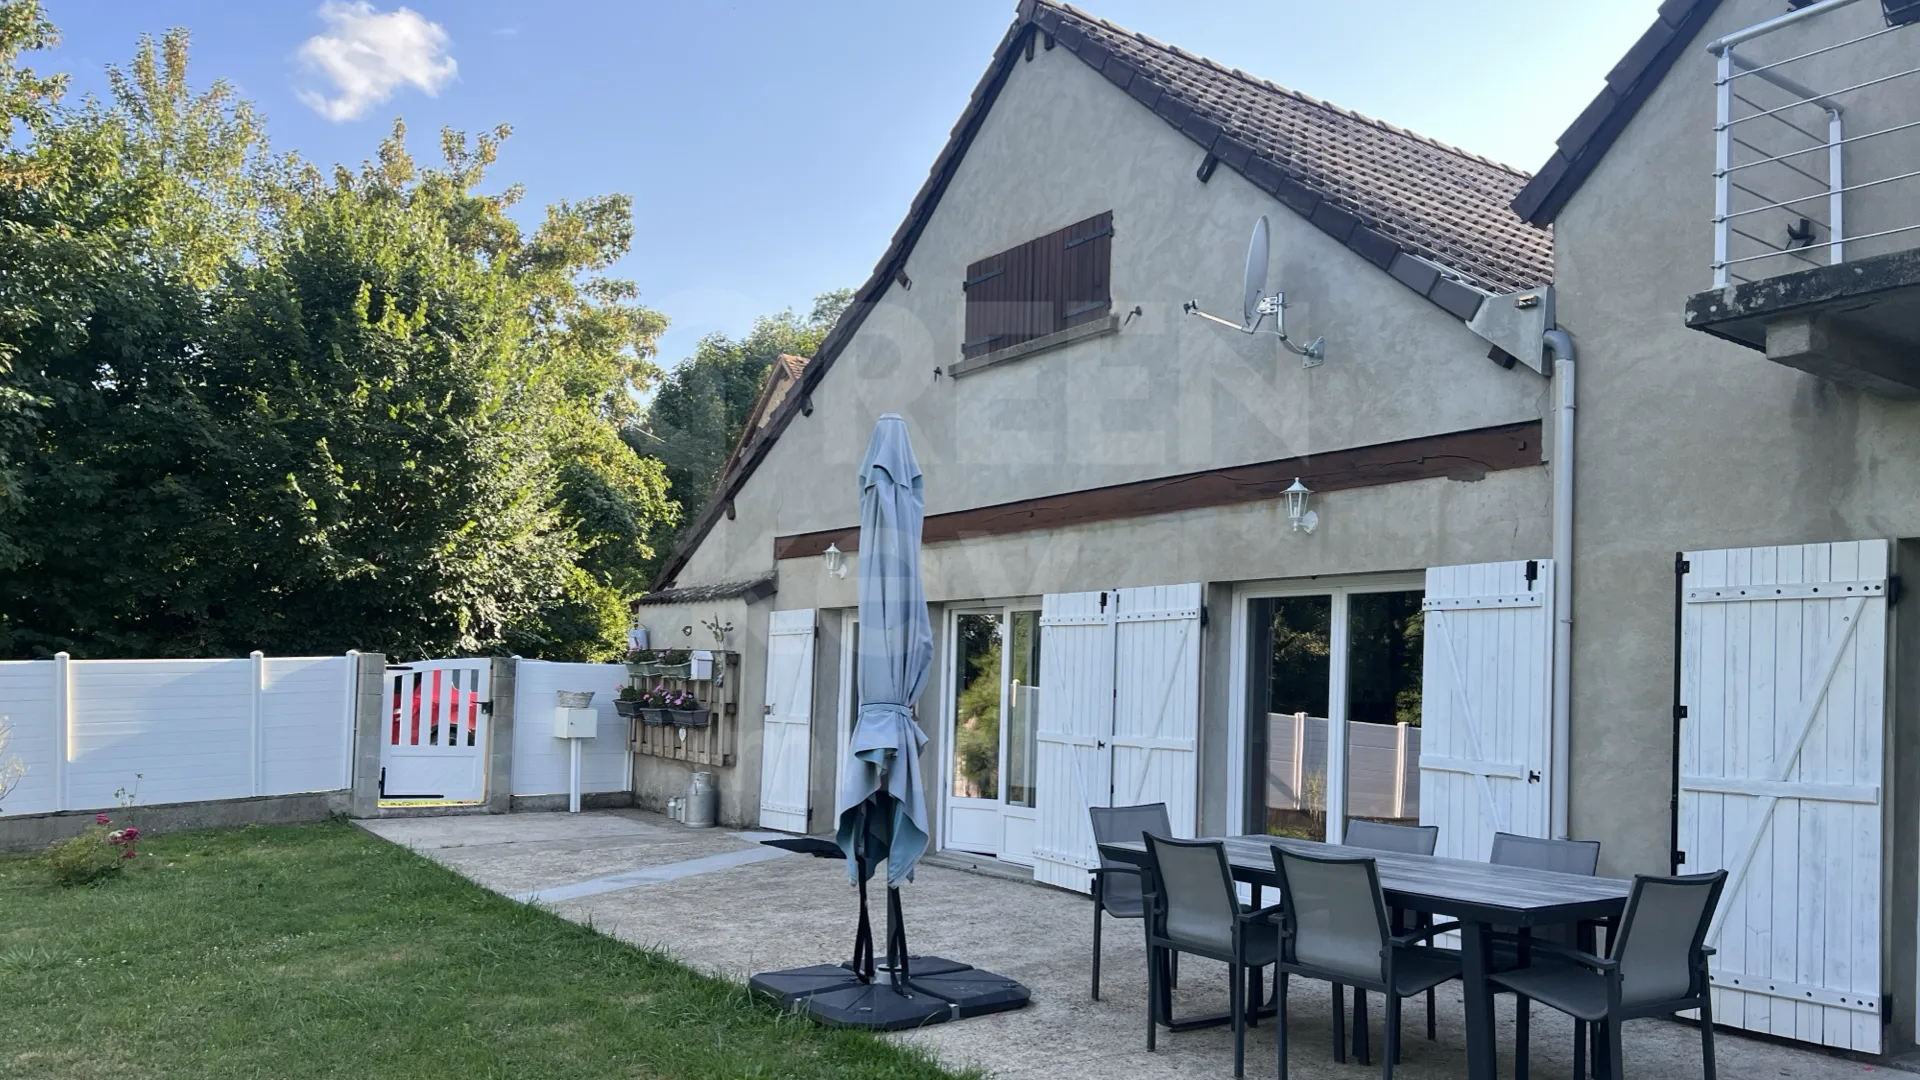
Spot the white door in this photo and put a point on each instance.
(1119, 716)
(1486, 704)
(1783, 654)
(439, 715)
(786, 729)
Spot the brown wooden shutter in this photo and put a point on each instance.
(1043, 286)
(1086, 285)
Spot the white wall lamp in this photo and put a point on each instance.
(836, 561)
(1304, 520)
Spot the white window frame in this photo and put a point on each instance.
(949, 690)
(1339, 589)
(844, 712)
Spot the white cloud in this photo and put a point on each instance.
(367, 55)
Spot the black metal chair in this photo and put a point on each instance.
(1116, 885)
(1408, 840)
(1561, 857)
(1657, 966)
(1195, 908)
(1334, 927)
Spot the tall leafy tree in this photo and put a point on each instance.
(703, 402)
(259, 406)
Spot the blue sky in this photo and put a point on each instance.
(772, 147)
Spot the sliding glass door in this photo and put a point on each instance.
(1333, 707)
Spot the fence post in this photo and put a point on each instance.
(62, 728)
(1400, 769)
(1300, 761)
(256, 685)
(349, 717)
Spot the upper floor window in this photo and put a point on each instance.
(1043, 286)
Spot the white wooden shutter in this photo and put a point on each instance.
(1783, 654)
(1486, 703)
(786, 735)
(1119, 717)
(1075, 724)
(1156, 701)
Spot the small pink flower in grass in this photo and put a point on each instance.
(102, 819)
(127, 854)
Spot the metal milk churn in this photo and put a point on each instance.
(703, 802)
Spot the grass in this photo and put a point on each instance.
(320, 951)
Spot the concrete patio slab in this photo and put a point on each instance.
(732, 920)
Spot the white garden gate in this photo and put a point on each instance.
(1782, 713)
(437, 732)
(1486, 704)
(1119, 716)
(787, 727)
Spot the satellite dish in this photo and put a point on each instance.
(1256, 303)
(1256, 273)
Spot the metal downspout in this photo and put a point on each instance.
(1559, 346)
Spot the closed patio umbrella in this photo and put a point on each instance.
(882, 811)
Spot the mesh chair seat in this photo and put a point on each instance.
(1415, 972)
(1122, 905)
(1259, 942)
(1579, 992)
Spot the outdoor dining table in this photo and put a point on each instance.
(1479, 895)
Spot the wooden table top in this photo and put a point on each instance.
(1458, 888)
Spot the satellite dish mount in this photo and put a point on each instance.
(1257, 304)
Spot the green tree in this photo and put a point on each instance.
(264, 407)
(703, 402)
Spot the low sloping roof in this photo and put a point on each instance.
(1581, 146)
(757, 589)
(1434, 217)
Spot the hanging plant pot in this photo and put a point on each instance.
(626, 708)
(693, 718)
(673, 671)
(655, 717)
(573, 699)
(641, 671)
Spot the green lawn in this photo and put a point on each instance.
(322, 951)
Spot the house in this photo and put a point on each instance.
(1128, 606)
(1736, 220)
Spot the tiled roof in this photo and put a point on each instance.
(794, 364)
(1581, 146)
(1426, 198)
(758, 589)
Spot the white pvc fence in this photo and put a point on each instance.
(540, 761)
(176, 730)
(1383, 766)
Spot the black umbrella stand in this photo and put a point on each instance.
(906, 992)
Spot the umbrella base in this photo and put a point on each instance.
(937, 991)
(972, 992)
(791, 987)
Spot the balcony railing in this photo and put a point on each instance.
(1816, 139)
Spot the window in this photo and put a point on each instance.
(1345, 661)
(1042, 287)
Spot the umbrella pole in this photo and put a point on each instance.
(863, 936)
(897, 941)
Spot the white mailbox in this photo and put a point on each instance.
(575, 723)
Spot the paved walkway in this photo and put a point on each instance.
(722, 903)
